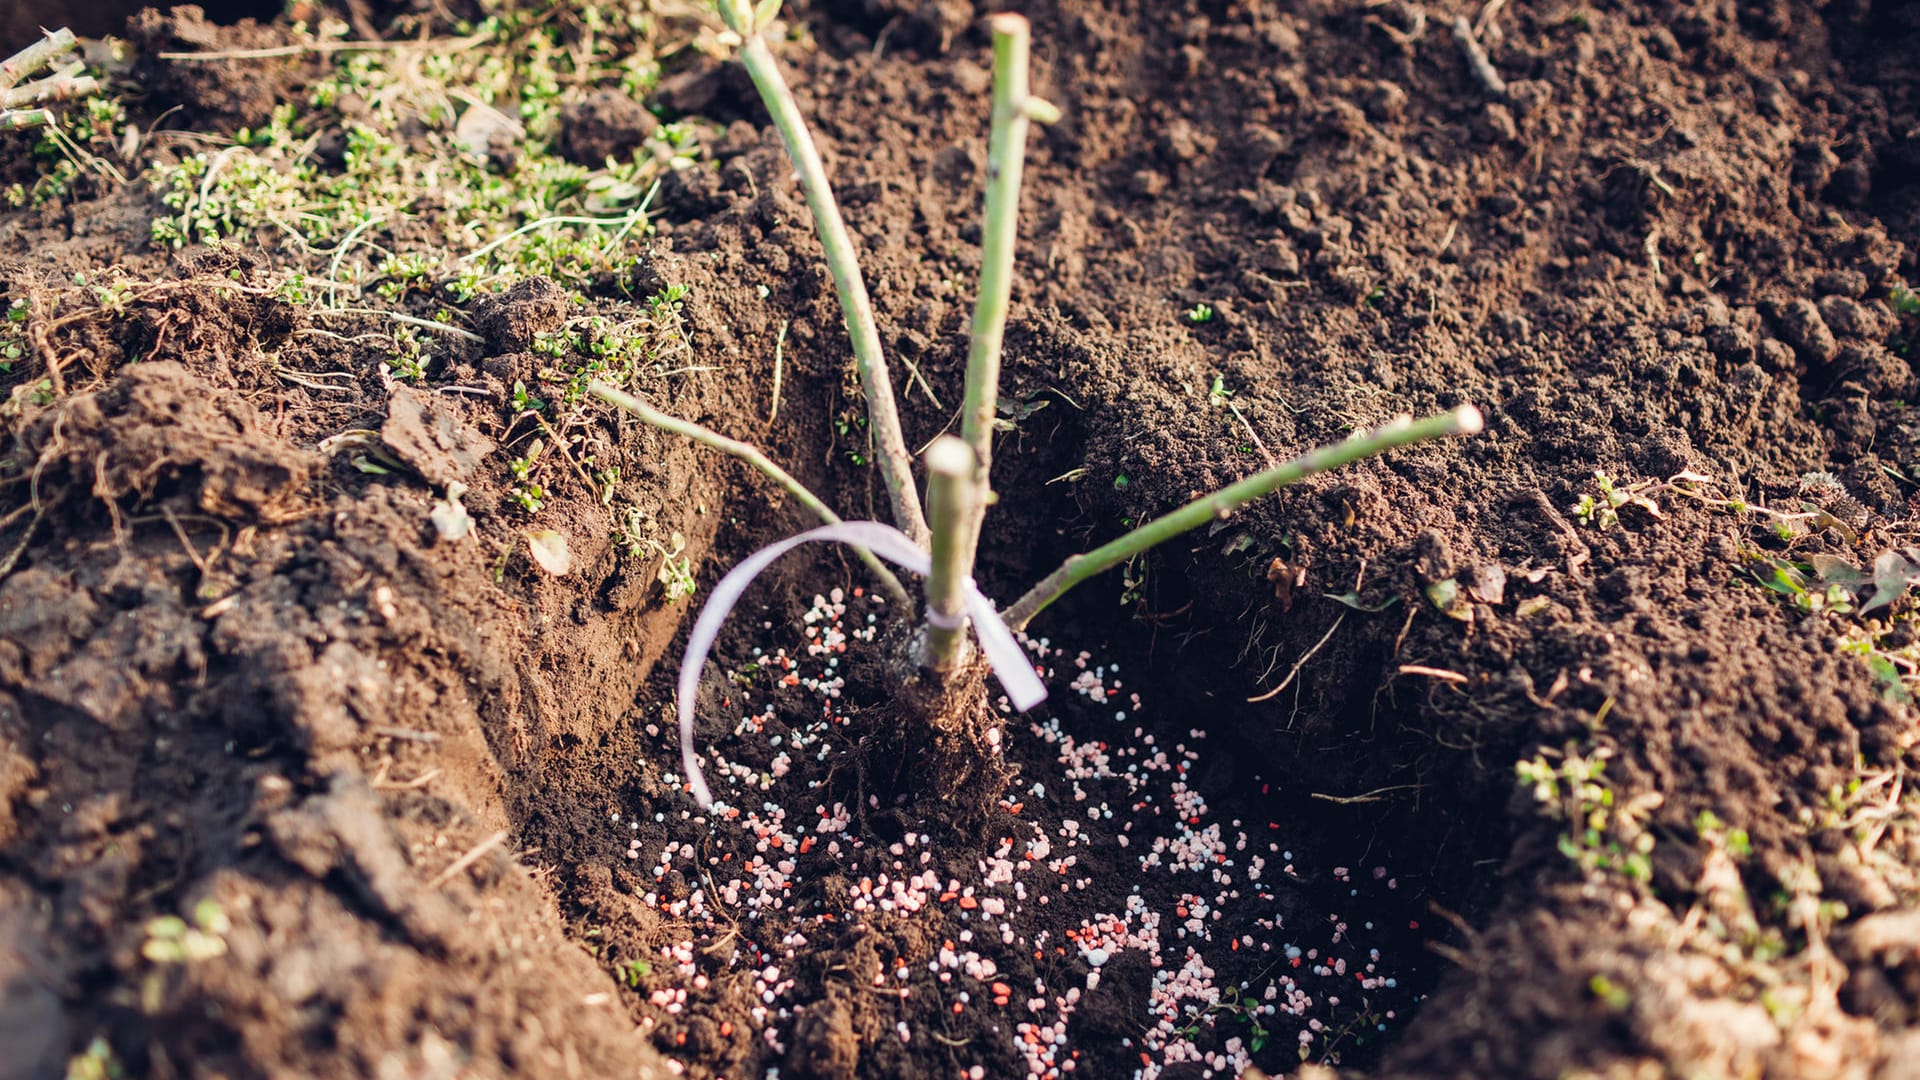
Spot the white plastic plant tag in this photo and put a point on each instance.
(1009, 661)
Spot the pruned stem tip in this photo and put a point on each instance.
(951, 503)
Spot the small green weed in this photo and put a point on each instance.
(96, 1062)
(13, 339)
(1011, 414)
(1905, 304)
(1236, 1006)
(1798, 583)
(676, 571)
(854, 429)
(1603, 835)
(1708, 826)
(172, 940)
(632, 973)
(1600, 508)
(1609, 993)
(1133, 582)
(523, 401)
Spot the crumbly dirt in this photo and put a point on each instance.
(23, 20)
(416, 790)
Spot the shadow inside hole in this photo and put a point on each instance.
(1373, 829)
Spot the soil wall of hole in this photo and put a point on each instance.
(229, 662)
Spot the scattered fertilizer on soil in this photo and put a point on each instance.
(1111, 880)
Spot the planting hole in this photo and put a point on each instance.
(1174, 875)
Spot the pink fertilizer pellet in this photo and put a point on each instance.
(1121, 805)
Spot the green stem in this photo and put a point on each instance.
(1013, 111)
(20, 65)
(952, 499)
(57, 88)
(896, 466)
(1464, 420)
(750, 454)
(11, 120)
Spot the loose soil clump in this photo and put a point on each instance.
(1581, 747)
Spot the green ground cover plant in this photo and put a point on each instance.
(404, 182)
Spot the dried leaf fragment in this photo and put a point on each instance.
(549, 550)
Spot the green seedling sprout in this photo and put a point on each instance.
(941, 541)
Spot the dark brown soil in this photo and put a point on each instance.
(23, 20)
(236, 668)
